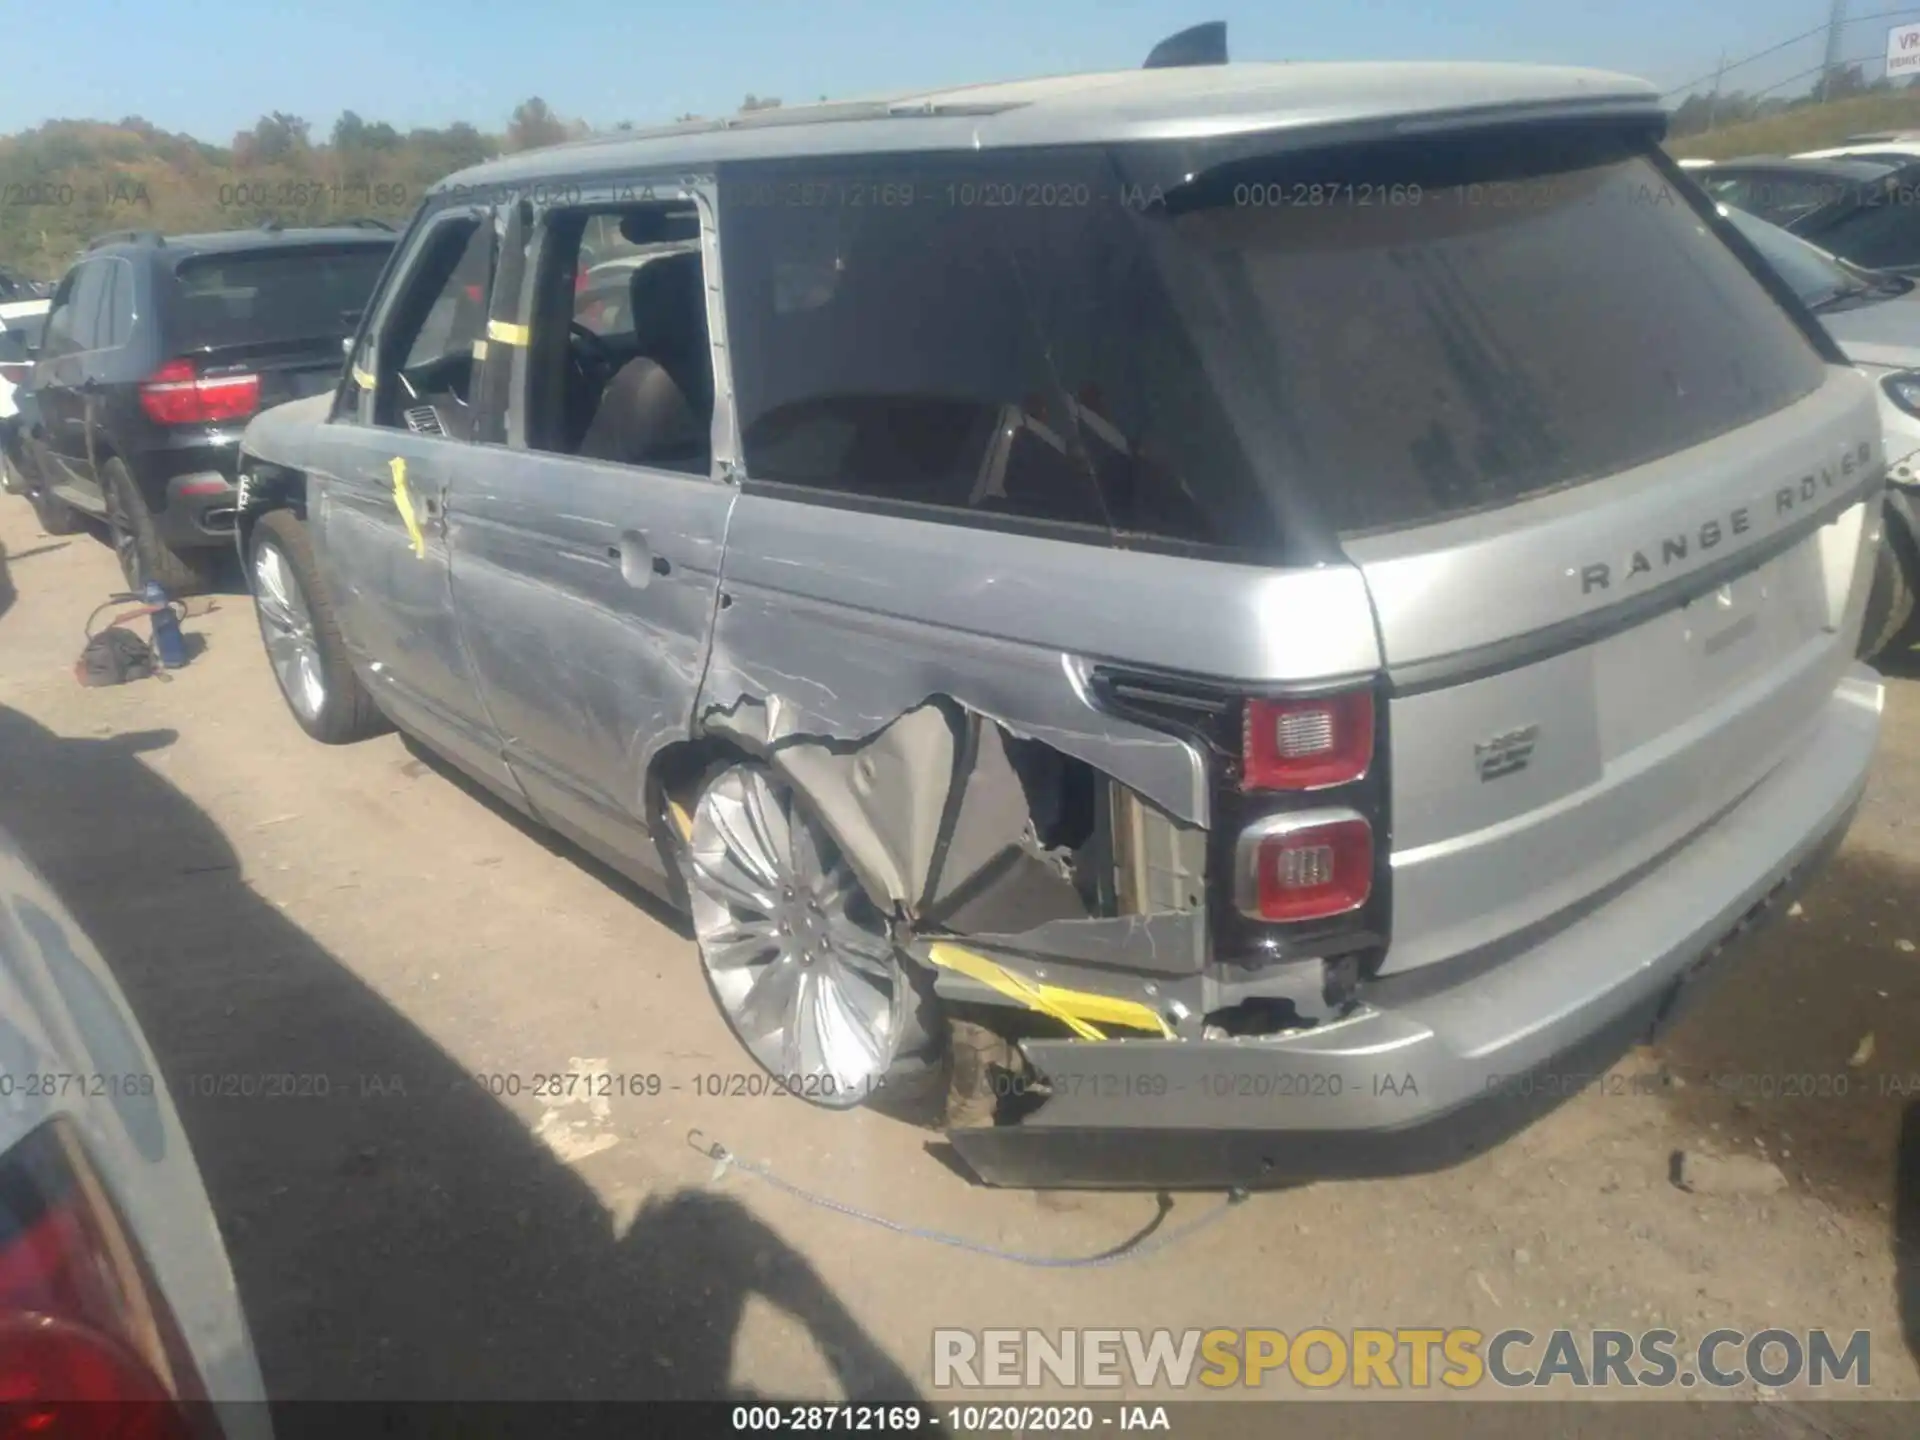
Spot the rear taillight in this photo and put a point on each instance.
(87, 1345)
(1306, 744)
(178, 394)
(1309, 865)
(15, 373)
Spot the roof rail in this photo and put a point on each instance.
(125, 237)
(275, 224)
(1204, 44)
(363, 222)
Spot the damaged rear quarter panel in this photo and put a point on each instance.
(838, 627)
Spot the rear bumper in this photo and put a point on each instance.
(199, 509)
(1436, 1067)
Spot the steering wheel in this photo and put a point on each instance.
(594, 349)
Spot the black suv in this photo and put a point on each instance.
(156, 352)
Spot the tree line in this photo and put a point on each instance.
(66, 181)
(1703, 111)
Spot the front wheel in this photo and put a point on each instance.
(798, 957)
(303, 640)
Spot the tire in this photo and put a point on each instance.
(901, 1067)
(142, 554)
(335, 708)
(1890, 604)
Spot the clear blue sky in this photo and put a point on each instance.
(210, 67)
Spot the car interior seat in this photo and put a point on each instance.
(658, 408)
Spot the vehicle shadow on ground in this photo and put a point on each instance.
(656, 909)
(403, 1236)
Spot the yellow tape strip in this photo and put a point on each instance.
(362, 378)
(403, 502)
(507, 333)
(1076, 1009)
(682, 820)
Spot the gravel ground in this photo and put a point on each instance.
(360, 917)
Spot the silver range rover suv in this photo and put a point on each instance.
(1214, 620)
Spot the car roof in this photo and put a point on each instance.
(1191, 103)
(214, 242)
(1837, 168)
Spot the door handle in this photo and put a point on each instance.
(638, 563)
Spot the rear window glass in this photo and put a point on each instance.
(1356, 339)
(281, 294)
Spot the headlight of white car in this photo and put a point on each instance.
(1903, 388)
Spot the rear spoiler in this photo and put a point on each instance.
(1204, 44)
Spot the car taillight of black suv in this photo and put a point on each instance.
(156, 352)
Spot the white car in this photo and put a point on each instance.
(20, 324)
(1875, 319)
(1894, 147)
(114, 1283)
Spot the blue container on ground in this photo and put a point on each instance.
(168, 643)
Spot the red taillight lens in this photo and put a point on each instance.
(177, 394)
(1306, 744)
(87, 1346)
(15, 373)
(1306, 867)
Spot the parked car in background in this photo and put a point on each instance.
(1013, 558)
(1875, 318)
(20, 327)
(16, 288)
(115, 1287)
(1865, 211)
(1783, 189)
(1892, 147)
(156, 352)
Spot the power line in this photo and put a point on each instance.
(1857, 60)
(1775, 49)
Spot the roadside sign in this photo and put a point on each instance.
(1903, 50)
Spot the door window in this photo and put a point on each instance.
(430, 344)
(1877, 236)
(118, 306)
(619, 363)
(89, 295)
(56, 338)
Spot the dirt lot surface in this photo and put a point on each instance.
(275, 907)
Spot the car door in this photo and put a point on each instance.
(586, 586)
(61, 381)
(391, 461)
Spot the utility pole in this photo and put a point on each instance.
(1713, 100)
(1836, 22)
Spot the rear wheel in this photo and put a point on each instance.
(798, 957)
(304, 645)
(137, 545)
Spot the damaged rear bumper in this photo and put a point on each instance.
(1434, 1068)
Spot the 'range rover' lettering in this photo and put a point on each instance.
(1678, 548)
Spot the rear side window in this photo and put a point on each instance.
(286, 293)
(1343, 340)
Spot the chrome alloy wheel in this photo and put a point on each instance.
(797, 956)
(287, 626)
